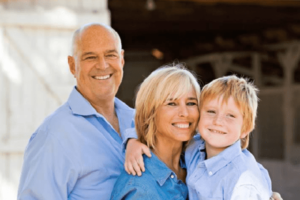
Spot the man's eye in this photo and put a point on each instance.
(90, 58)
(111, 55)
(211, 111)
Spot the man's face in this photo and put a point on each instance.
(97, 64)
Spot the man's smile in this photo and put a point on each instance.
(102, 77)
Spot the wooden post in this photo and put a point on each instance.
(258, 82)
(289, 61)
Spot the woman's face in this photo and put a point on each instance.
(177, 119)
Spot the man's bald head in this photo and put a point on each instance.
(76, 40)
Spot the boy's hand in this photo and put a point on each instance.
(134, 163)
(276, 196)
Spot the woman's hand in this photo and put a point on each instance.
(134, 163)
(276, 196)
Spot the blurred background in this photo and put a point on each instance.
(259, 39)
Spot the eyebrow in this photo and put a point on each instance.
(189, 98)
(111, 51)
(87, 53)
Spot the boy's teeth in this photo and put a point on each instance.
(102, 77)
(217, 131)
(182, 125)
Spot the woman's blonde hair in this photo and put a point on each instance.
(244, 94)
(163, 83)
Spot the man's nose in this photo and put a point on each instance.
(102, 64)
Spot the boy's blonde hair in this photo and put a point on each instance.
(244, 94)
(162, 84)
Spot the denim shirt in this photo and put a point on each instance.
(232, 174)
(75, 153)
(158, 182)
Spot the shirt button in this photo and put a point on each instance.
(172, 176)
(210, 173)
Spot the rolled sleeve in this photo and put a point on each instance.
(128, 134)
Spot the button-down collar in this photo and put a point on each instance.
(216, 163)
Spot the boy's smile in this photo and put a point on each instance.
(220, 124)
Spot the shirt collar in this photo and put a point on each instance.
(80, 106)
(215, 163)
(158, 169)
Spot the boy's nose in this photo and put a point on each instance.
(218, 120)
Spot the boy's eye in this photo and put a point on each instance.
(230, 115)
(211, 111)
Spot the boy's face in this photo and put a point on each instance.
(220, 124)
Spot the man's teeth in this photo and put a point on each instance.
(182, 125)
(102, 77)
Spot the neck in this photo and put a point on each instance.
(169, 154)
(211, 152)
(106, 107)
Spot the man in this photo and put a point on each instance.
(77, 151)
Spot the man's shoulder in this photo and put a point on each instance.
(62, 114)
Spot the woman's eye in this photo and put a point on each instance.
(171, 104)
(230, 115)
(191, 103)
(211, 111)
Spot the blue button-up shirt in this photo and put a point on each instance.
(232, 174)
(75, 153)
(158, 182)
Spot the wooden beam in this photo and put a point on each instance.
(247, 2)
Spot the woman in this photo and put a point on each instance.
(166, 117)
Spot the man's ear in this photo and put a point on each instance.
(71, 63)
(123, 60)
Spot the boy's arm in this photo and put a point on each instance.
(134, 163)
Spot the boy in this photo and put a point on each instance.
(218, 165)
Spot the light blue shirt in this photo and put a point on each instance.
(232, 174)
(158, 182)
(75, 153)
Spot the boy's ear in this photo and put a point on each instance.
(243, 135)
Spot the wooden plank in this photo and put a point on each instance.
(57, 18)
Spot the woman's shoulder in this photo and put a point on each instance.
(128, 185)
